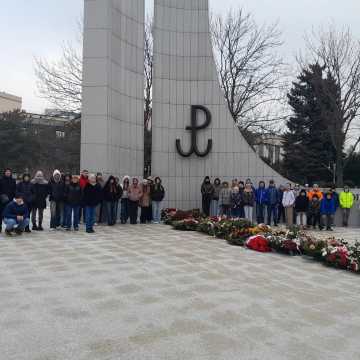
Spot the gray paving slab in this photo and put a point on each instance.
(149, 292)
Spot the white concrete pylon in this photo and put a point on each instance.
(185, 75)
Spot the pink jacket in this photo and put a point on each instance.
(135, 193)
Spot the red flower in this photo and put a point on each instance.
(258, 243)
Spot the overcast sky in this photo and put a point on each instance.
(37, 28)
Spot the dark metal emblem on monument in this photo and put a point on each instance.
(194, 128)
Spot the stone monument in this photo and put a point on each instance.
(194, 134)
(113, 96)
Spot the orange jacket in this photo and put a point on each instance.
(319, 194)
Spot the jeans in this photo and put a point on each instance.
(281, 213)
(289, 214)
(260, 213)
(301, 218)
(248, 212)
(90, 212)
(72, 216)
(156, 211)
(55, 213)
(133, 211)
(272, 214)
(40, 217)
(21, 225)
(145, 215)
(214, 208)
(124, 210)
(225, 210)
(235, 212)
(206, 205)
(327, 220)
(110, 207)
(345, 216)
(314, 219)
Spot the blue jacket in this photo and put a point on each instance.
(261, 196)
(272, 195)
(12, 210)
(328, 206)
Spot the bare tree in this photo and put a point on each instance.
(60, 82)
(148, 90)
(148, 70)
(250, 70)
(339, 53)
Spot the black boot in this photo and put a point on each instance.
(34, 227)
(40, 228)
(27, 229)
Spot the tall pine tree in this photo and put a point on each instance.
(308, 151)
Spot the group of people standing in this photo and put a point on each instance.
(74, 198)
(306, 207)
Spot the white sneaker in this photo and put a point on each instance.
(96, 224)
(52, 229)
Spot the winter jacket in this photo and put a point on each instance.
(288, 199)
(272, 195)
(8, 187)
(157, 192)
(216, 193)
(319, 194)
(302, 204)
(12, 210)
(83, 181)
(327, 206)
(207, 190)
(261, 196)
(112, 191)
(346, 200)
(248, 198)
(237, 200)
(92, 195)
(73, 194)
(26, 189)
(314, 207)
(56, 187)
(145, 199)
(225, 197)
(135, 193)
(336, 199)
(41, 192)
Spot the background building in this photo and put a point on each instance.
(9, 102)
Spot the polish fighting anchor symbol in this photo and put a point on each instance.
(194, 128)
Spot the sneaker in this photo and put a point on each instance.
(67, 229)
(90, 231)
(35, 228)
(8, 233)
(27, 230)
(40, 228)
(76, 229)
(52, 229)
(96, 224)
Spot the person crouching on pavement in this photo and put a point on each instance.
(16, 216)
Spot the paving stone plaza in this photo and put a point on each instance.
(150, 292)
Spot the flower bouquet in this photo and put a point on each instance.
(189, 224)
(258, 243)
(312, 247)
(337, 254)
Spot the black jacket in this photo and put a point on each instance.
(56, 190)
(25, 188)
(41, 192)
(112, 192)
(157, 192)
(73, 194)
(92, 195)
(302, 204)
(8, 187)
